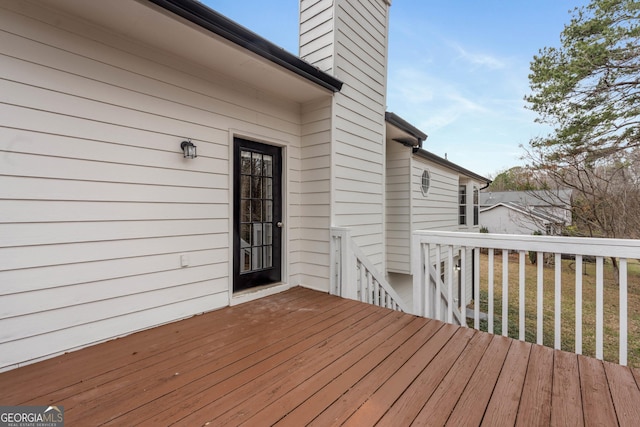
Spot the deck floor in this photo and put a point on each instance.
(306, 358)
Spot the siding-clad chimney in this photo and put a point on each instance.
(349, 39)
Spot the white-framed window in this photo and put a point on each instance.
(462, 202)
(425, 182)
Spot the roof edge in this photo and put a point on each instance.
(211, 20)
(421, 152)
(404, 125)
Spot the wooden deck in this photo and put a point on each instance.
(306, 358)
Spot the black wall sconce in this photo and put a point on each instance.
(189, 149)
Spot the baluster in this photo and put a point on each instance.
(476, 290)
(599, 306)
(363, 283)
(505, 293)
(426, 288)
(438, 297)
(449, 274)
(490, 292)
(578, 304)
(521, 300)
(623, 311)
(376, 294)
(463, 286)
(558, 301)
(540, 313)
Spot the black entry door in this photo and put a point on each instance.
(257, 229)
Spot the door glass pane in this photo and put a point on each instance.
(245, 260)
(245, 186)
(256, 164)
(256, 258)
(268, 165)
(268, 233)
(245, 235)
(245, 211)
(256, 187)
(257, 234)
(268, 210)
(268, 188)
(268, 259)
(245, 163)
(256, 210)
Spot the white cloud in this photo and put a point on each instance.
(479, 59)
(428, 101)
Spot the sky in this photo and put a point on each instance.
(458, 69)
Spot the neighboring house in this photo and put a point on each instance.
(424, 192)
(106, 228)
(526, 212)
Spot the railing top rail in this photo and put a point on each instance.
(623, 248)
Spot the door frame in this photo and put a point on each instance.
(239, 296)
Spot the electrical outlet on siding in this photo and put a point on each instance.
(184, 260)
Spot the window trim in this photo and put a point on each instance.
(425, 188)
(462, 204)
(476, 205)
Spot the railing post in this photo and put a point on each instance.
(343, 264)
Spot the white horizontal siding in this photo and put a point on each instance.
(97, 204)
(360, 61)
(349, 39)
(438, 210)
(71, 274)
(81, 335)
(315, 195)
(316, 33)
(398, 207)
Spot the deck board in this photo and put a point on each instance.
(624, 393)
(597, 404)
(306, 358)
(535, 403)
(566, 404)
(505, 399)
(345, 366)
(470, 408)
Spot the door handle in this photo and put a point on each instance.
(279, 224)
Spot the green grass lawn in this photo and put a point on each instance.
(611, 305)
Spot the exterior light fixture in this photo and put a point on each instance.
(189, 149)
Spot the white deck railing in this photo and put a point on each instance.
(354, 276)
(426, 244)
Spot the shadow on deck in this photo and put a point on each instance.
(302, 357)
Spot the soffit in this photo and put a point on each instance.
(152, 25)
